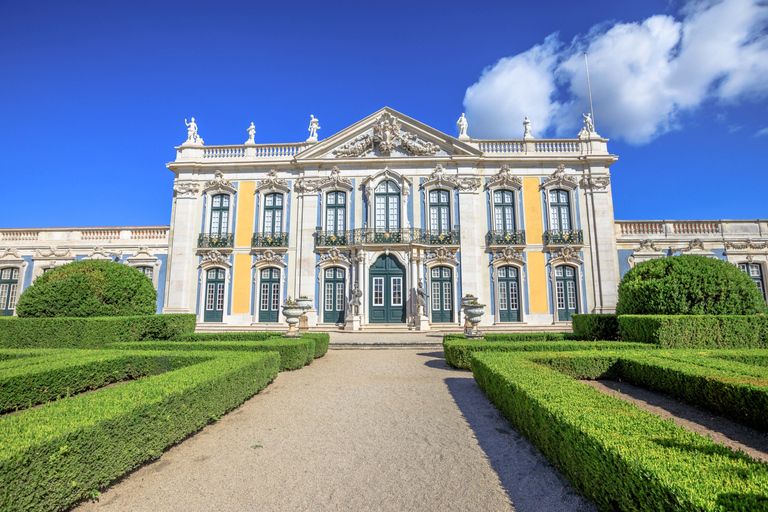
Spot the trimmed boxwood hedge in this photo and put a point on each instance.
(89, 288)
(322, 339)
(322, 342)
(90, 332)
(56, 455)
(518, 336)
(294, 352)
(63, 373)
(618, 455)
(696, 331)
(458, 352)
(596, 327)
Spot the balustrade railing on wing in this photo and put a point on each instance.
(224, 152)
(15, 236)
(100, 234)
(556, 147)
(277, 150)
(501, 147)
(259, 151)
(696, 228)
(642, 228)
(149, 234)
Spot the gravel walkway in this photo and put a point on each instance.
(357, 430)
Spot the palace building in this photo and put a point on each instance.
(387, 222)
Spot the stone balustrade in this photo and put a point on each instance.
(241, 152)
(538, 147)
(20, 237)
(663, 229)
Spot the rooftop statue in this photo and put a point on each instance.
(192, 136)
(527, 128)
(251, 133)
(588, 123)
(314, 125)
(463, 125)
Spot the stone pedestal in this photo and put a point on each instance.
(353, 323)
(422, 323)
(303, 323)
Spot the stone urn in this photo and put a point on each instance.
(292, 312)
(463, 303)
(474, 314)
(305, 302)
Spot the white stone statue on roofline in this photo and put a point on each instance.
(192, 136)
(314, 125)
(463, 125)
(251, 134)
(588, 123)
(527, 128)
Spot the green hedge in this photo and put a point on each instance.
(58, 454)
(322, 339)
(518, 336)
(616, 454)
(596, 327)
(63, 373)
(322, 342)
(90, 332)
(458, 352)
(696, 331)
(294, 352)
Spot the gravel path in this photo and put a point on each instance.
(357, 430)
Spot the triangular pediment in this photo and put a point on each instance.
(388, 134)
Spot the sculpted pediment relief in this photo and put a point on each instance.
(388, 134)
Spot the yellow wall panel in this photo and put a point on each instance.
(537, 282)
(241, 293)
(245, 199)
(532, 196)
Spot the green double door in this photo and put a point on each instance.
(509, 299)
(387, 291)
(333, 299)
(269, 295)
(442, 294)
(567, 301)
(214, 295)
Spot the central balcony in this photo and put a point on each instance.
(564, 237)
(269, 240)
(505, 237)
(368, 236)
(216, 241)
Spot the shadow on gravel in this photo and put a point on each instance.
(530, 481)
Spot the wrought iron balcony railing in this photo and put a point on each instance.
(563, 237)
(269, 240)
(506, 237)
(215, 241)
(368, 236)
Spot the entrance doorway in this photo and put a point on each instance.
(509, 303)
(567, 302)
(333, 304)
(214, 295)
(442, 294)
(269, 296)
(387, 291)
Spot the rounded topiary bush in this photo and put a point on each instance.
(89, 288)
(688, 285)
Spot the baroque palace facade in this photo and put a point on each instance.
(387, 222)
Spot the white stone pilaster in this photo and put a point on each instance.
(474, 260)
(182, 272)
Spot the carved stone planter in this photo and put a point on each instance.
(474, 314)
(305, 303)
(292, 314)
(463, 303)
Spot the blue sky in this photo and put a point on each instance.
(93, 95)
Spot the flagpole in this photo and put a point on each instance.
(589, 87)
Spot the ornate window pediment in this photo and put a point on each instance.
(504, 178)
(559, 179)
(402, 182)
(272, 183)
(218, 185)
(566, 254)
(214, 259)
(507, 256)
(269, 258)
(439, 179)
(333, 182)
(441, 256)
(333, 257)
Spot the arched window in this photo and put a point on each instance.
(439, 212)
(214, 295)
(220, 214)
(559, 210)
(336, 212)
(503, 210)
(754, 271)
(565, 285)
(387, 207)
(273, 214)
(9, 282)
(269, 295)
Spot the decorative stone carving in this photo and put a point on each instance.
(504, 178)
(356, 147)
(269, 257)
(748, 245)
(386, 133)
(566, 254)
(508, 255)
(591, 183)
(334, 256)
(441, 255)
(214, 258)
(314, 125)
(647, 245)
(186, 189)
(463, 125)
(416, 147)
(469, 184)
(10, 253)
(272, 182)
(439, 179)
(694, 246)
(99, 253)
(52, 252)
(559, 179)
(219, 184)
(335, 180)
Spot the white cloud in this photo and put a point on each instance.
(643, 74)
(761, 133)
